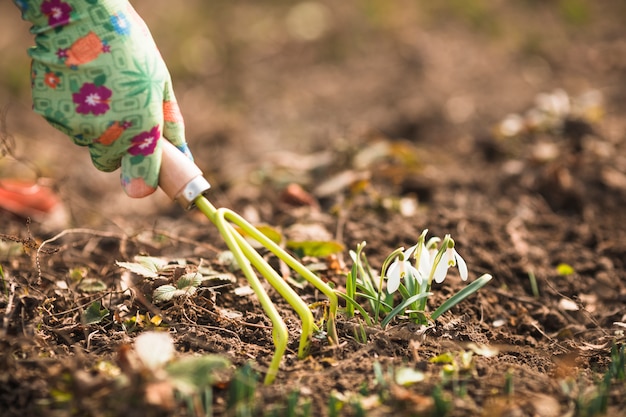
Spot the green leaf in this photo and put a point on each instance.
(374, 298)
(461, 295)
(164, 293)
(351, 289)
(92, 285)
(316, 248)
(192, 374)
(446, 357)
(5, 288)
(192, 279)
(142, 81)
(402, 306)
(186, 285)
(94, 313)
(350, 301)
(100, 80)
(146, 266)
(268, 231)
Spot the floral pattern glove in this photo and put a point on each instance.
(98, 77)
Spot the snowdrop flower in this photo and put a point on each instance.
(449, 259)
(400, 268)
(425, 256)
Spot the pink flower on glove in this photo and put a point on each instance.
(58, 12)
(145, 142)
(92, 99)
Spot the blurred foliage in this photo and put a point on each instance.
(205, 38)
(223, 40)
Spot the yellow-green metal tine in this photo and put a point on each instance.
(279, 328)
(294, 264)
(279, 284)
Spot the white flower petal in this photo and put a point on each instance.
(416, 274)
(393, 277)
(441, 270)
(449, 257)
(409, 252)
(460, 263)
(425, 262)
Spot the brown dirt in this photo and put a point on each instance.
(422, 88)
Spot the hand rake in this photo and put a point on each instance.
(182, 181)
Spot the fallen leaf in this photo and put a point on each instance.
(91, 285)
(568, 305)
(243, 291)
(483, 350)
(94, 313)
(340, 182)
(317, 249)
(266, 230)
(295, 195)
(164, 293)
(406, 376)
(146, 266)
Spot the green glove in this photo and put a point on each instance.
(98, 77)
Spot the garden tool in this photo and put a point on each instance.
(183, 181)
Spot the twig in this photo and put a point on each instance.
(8, 310)
(186, 240)
(72, 231)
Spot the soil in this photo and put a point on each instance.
(362, 121)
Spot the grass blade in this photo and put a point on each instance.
(356, 305)
(402, 306)
(461, 295)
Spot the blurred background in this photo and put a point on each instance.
(265, 83)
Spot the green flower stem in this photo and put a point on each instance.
(383, 272)
(352, 278)
(355, 305)
(247, 256)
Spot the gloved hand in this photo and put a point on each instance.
(98, 77)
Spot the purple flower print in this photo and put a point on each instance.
(92, 99)
(145, 142)
(62, 54)
(57, 11)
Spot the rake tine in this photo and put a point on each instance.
(276, 281)
(280, 334)
(182, 181)
(292, 263)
